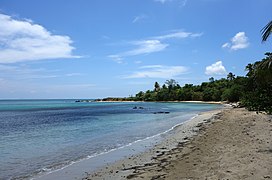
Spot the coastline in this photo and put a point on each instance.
(85, 166)
(180, 134)
(229, 143)
(201, 102)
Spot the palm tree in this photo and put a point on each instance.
(266, 31)
(230, 76)
(266, 63)
(250, 68)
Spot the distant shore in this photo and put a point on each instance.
(221, 144)
(120, 100)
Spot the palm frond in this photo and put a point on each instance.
(266, 31)
(266, 63)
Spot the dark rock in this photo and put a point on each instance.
(162, 112)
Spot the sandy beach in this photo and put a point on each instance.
(222, 144)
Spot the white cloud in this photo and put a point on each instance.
(182, 2)
(226, 45)
(239, 41)
(19, 73)
(117, 58)
(162, 1)
(22, 40)
(139, 18)
(142, 47)
(25, 73)
(216, 69)
(152, 45)
(179, 34)
(158, 71)
(73, 74)
(146, 47)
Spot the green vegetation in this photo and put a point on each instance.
(266, 31)
(253, 91)
(257, 95)
(225, 89)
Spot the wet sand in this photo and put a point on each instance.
(222, 144)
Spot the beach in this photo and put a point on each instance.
(230, 143)
(62, 139)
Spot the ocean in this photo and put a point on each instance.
(40, 136)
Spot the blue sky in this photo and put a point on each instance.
(99, 48)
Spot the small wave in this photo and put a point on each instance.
(45, 171)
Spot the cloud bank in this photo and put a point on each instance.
(22, 40)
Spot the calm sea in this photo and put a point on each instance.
(37, 136)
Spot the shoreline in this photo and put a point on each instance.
(201, 102)
(233, 144)
(85, 166)
(179, 134)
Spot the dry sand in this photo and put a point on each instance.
(224, 144)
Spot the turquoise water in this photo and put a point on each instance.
(38, 136)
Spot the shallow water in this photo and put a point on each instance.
(43, 135)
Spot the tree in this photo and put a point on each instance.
(140, 96)
(171, 83)
(258, 90)
(211, 79)
(149, 96)
(232, 94)
(230, 76)
(261, 71)
(266, 63)
(197, 96)
(208, 94)
(249, 68)
(187, 92)
(157, 87)
(266, 31)
(164, 86)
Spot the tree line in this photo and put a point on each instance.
(225, 89)
(254, 91)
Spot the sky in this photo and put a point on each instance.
(116, 48)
